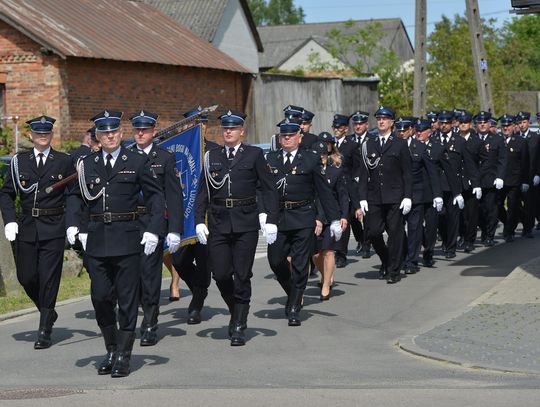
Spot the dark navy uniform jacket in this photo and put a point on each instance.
(477, 153)
(163, 166)
(493, 163)
(440, 156)
(533, 143)
(82, 151)
(390, 181)
(425, 174)
(336, 181)
(248, 172)
(57, 167)
(304, 182)
(517, 162)
(461, 160)
(130, 176)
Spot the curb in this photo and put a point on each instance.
(28, 311)
(408, 345)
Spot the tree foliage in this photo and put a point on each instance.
(276, 12)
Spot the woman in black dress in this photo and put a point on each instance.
(324, 257)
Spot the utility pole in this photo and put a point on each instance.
(479, 56)
(419, 97)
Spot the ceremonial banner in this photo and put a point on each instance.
(188, 151)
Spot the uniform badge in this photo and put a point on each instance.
(60, 176)
(373, 155)
(452, 147)
(106, 114)
(293, 172)
(23, 183)
(154, 154)
(275, 171)
(487, 148)
(124, 157)
(96, 159)
(43, 120)
(511, 150)
(98, 180)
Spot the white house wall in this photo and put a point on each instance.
(300, 59)
(235, 38)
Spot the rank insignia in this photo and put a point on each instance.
(124, 157)
(275, 171)
(373, 155)
(154, 154)
(98, 180)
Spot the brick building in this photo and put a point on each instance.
(71, 59)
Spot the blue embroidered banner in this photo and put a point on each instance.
(187, 148)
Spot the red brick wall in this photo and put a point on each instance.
(94, 85)
(75, 89)
(33, 80)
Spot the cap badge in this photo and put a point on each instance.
(142, 113)
(106, 114)
(229, 113)
(43, 120)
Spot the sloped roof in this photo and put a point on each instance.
(281, 41)
(112, 29)
(202, 17)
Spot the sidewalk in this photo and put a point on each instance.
(498, 331)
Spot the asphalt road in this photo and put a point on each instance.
(344, 353)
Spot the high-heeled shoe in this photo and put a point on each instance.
(173, 298)
(325, 297)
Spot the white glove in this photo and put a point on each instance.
(270, 233)
(364, 206)
(83, 237)
(536, 180)
(262, 223)
(405, 205)
(11, 229)
(71, 234)
(499, 183)
(438, 203)
(202, 232)
(458, 200)
(478, 192)
(524, 187)
(150, 241)
(335, 229)
(173, 241)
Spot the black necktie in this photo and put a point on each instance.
(231, 154)
(288, 163)
(383, 140)
(108, 164)
(40, 162)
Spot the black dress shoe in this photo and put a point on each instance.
(341, 262)
(489, 242)
(393, 279)
(149, 337)
(428, 262)
(509, 239)
(382, 272)
(410, 270)
(469, 247)
(366, 251)
(450, 255)
(194, 317)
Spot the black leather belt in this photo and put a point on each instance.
(37, 212)
(108, 217)
(294, 204)
(141, 210)
(231, 202)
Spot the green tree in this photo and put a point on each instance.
(450, 71)
(276, 12)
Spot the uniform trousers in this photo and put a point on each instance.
(488, 212)
(449, 222)
(431, 222)
(115, 280)
(387, 217)
(39, 269)
(299, 244)
(415, 220)
(151, 270)
(359, 231)
(530, 203)
(195, 275)
(469, 216)
(509, 216)
(231, 258)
